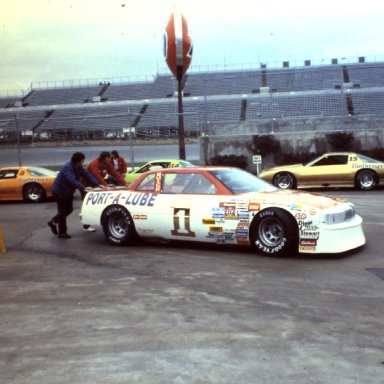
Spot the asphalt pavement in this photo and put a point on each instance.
(83, 311)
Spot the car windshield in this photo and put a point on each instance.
(239, 181)
(184, 163)
(367, 159)
(38, 171)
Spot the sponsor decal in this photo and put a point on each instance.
(312, 211)
(230, 212)
(308, 243)
(306, 249)
(140, 217)
(209, 221)
(158, 182)
(229, 236)
(133, 198)
(296, 207)
(308, 230)
(300, 216)
(143, 199)
(367, 165)
(34, 180)
(216, 229)
(253, 206)
(220, 239)
(218, 212)
(241, 233)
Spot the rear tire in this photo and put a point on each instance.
(285, 180)
(33, 193)
(366, 180)
(274, 232)
(118, 225)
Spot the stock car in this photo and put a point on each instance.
(336, 169)
(26, 183)
(223, 205)
(156, 164)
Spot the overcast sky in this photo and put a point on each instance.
(59, 40)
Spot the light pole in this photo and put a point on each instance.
(178, 55)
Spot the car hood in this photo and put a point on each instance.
(291, 197)
(282, 168)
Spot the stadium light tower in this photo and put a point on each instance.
(178, 55)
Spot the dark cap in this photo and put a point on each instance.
(103, 155)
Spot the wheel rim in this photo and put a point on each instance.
(366, 180)
(118, 226)
(271, 232)
(34, 193)
(284, 181)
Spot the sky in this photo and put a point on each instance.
(57, 41)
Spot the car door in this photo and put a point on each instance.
(329, 170)
(184, 209)
(9, 186)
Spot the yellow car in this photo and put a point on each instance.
(156, 164)
(338, 169)
(26, 183)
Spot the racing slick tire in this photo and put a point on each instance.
(285, 180)
(118, 225)
(366, 180)
(33, 192)
(274, 232)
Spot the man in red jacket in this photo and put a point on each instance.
(121, 165)
(103, 166)
(99, 168)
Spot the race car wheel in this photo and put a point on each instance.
(33, 192)
(285, 180)
(365, 180)
(274, 232)
(118, 225)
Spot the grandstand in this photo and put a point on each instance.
(110, 109)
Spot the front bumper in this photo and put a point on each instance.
(335, 238)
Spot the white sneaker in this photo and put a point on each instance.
(89, 229)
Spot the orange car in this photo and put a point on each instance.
(26, 183)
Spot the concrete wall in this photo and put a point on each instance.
(305, 135)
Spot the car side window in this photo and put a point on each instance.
(8, 174)
(175, 183)
(332, 160)
(148, 183)
(188, 183)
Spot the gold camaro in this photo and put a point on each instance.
(26, 183)
(336, 169)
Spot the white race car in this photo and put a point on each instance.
(223, 205)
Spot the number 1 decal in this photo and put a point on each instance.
(181, 223)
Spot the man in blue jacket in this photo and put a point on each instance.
(63, 189)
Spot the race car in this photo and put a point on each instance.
(223, 205)
(156, 164)
(26, 183)
(337, 169)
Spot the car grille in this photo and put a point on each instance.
(340, 217)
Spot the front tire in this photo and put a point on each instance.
(33, 193)
(118, 225)
(285, 180)
(274, 232)
(366, 180)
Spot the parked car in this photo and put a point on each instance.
(223, 205)
(26, 183)
(156, 164)
(338, 169)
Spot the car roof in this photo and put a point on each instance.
(191, 169)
